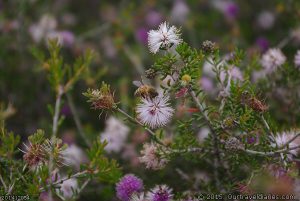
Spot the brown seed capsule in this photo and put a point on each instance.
(233, 144)
(150, 73)
(208, 46)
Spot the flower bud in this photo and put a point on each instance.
(185, 79)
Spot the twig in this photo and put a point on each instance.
(77, 119)
(78, 174)
(54, 131)
(271, 136)
(3, 183)
(214, 136)
(271, 153)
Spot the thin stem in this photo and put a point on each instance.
(77, 119)
(153, 135)
(78, 174)
(271, 153)
(272, 137)
(54, 131)
(214, 136)
(3, 183)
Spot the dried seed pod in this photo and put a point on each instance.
(150, 73)
(233, 144)
(208, 46)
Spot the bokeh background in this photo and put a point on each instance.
(116, 31)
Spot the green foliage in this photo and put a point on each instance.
(8, 143)
(103, 168)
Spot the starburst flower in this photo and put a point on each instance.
(272, 59)
(160, 193)
(138, 197)
(34, 155)
(127, 186)
(163, 38)
(155, 112)
(284, 137)
(151, 157)
(297, 59)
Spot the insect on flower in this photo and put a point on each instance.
(253, 102)
(144, 90)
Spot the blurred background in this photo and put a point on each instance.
(116, 31)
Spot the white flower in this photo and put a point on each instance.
(138, 197)
(160, 192)
(115, 134)
(151, 158)
(46, 25)
(266, 19)
(272, 59)
(74, 156)
(297, 59)
(164, 37)
(155, 112)
(68, 188)
(179, 11)
(282, 138)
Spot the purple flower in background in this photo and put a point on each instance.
(231, 10)
(153, 18)
(128, 185)
(141, 35)
(262, 43)
(206, 84)
(65, 110)
(68, 37)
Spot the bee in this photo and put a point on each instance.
(254, 103)
(144, 90)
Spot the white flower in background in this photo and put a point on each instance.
(202, 134)
(151, 157)
(266, 19)
(282, 138)
(68, 188)
(155, 112)
(160, 192)
(138, 197)
(297, 59)
(115, 134)
(272, 59)
(74, 156)
(179, 11)
(165, 37)
(46, 25)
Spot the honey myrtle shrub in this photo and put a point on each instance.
(224, 138)
(228, 135)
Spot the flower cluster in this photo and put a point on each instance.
(130, 187)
